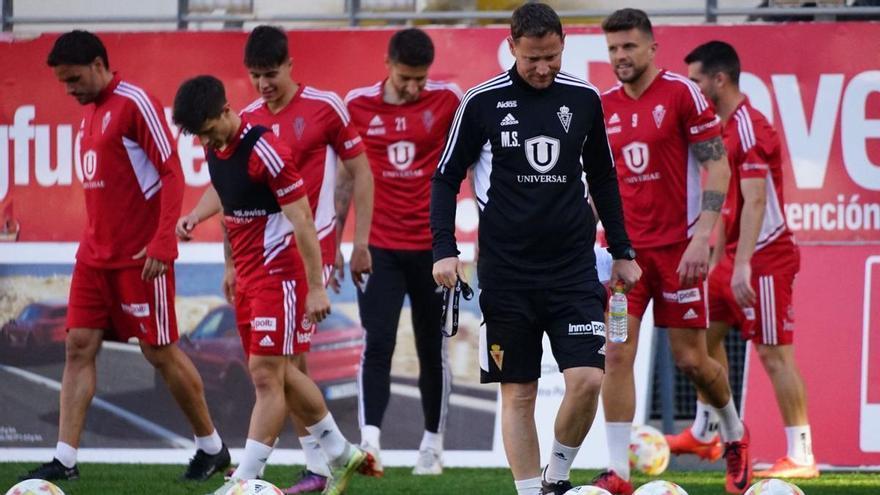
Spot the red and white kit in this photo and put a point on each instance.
(404, 143)
(271, 286)
(315, 125)
(133, 187)
(755, 152)
(660, 188)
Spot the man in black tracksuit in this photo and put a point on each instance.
(534, 134)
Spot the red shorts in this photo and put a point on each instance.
(271, 318)
(675, 306)
(772, 321)
(119, 302)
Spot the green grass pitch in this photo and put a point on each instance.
(129, 479)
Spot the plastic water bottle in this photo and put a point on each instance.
(617, 321)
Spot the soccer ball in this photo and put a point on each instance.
(254, 487)
(35, 487)
(587, 490)
(774, 487)
(648, 450)
(660, 487)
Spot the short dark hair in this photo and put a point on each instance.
(716, 56)
(266, 47)
(412, 47)
(77, 48)
(626, 19)
(534, 20)
(197, 100)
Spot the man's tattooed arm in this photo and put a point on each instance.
(712, 200)
(709, 150)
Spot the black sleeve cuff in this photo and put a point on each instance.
(622, 252)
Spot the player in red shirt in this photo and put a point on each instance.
(662, 130)
(316, 126)
(123, 279)
(751, 283)
(279, 287)
(404, 120)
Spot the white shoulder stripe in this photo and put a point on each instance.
(331, 99)
(269, 156)
(746, 131)
(697, 95)
(364, 91)
(564, 78)
(254, 105)
(500, 81)
(148, 112)
(573, 78)
(613, 89)
(449, 86)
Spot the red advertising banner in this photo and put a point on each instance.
(825, 102)
(837, 346)
(826, 106)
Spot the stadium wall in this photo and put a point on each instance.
(815, 82)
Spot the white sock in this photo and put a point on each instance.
(531, 486)
(618, 447)
(800, 444)
(65, 454)
(211, 444)
(315, 460)
(561, 458)
(730, 426)
(370, 435)
(705, 425)
(331, 440)
(255, 456)
(432, 441)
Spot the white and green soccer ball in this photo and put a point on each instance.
(774, 487)
(648, 450)
(35, 487)
(587, 490)
(660, 487)
(254, 487)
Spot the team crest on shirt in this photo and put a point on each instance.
(105, 122)
(636, 156)
(564, 117)
(658, 113)
(401, 154)
(428, 120)
(299, 125)
(276, 129)
(89, 164)
(497, 355)
(542, 152)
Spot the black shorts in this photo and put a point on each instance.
(574, 319)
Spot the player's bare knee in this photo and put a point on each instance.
(519, 394)
(772, 358)
(266, 374)
(584, 386)
(82, 346)
(690, 363)
(619, 357)
(159, 356)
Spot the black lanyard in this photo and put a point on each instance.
(450, 304)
